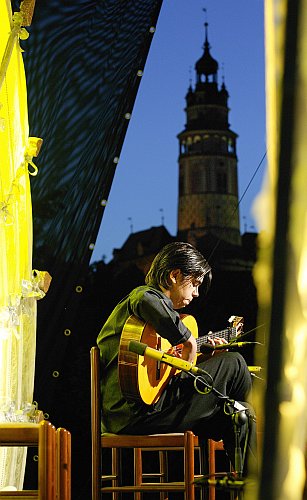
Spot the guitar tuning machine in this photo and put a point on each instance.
(237, 319)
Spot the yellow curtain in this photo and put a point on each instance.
(18, 288)
(281, 271)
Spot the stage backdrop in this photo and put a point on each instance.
(84, 63)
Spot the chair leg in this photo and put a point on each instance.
(203, 460)
(116, 471)
(138, 471)
(163, 469)
(211, 462)
(63, 451)
(47, 461)
(189, 466)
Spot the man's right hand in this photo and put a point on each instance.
(189, 349)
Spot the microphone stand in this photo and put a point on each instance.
(238, 451)
(238, 419)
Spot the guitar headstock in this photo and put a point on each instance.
(237, 322)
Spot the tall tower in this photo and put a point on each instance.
(208, 183)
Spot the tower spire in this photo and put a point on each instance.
(205, 11)
(206, 45)
(206, 66)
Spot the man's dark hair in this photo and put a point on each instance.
(182, 256)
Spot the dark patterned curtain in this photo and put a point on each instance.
(84, 62)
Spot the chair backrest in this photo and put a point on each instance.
(43, 436)
(95, 421)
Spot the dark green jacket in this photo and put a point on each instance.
(149, 304)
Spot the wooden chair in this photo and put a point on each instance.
(163, 443)
(54, 458)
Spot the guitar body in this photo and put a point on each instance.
(141, 377)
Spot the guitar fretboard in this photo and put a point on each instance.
(226, 334)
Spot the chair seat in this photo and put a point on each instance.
(146, 441)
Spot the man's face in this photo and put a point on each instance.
(183, 290)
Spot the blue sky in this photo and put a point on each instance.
(145, 187)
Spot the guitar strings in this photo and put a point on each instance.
(242, 335)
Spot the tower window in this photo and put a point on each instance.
(197, 180)
(183, 147)
(221, 182)
(181, 183)
(224, 145)
(231, 146)
(206, 144)
(197, 144)
(189, 144)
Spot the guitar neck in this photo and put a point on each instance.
(226, 334)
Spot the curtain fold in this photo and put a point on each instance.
(18, 292)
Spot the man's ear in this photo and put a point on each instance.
(174, 275)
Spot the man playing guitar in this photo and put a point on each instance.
(172, 282)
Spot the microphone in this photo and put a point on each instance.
(144, 350)
(207, 348)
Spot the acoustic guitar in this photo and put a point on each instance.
(144, 379)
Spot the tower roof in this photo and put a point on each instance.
(206, 65)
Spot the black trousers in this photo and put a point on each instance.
(206, 407)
